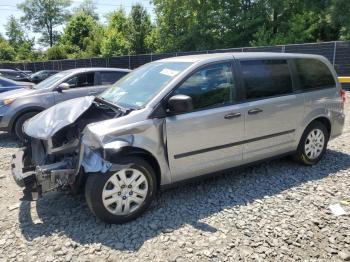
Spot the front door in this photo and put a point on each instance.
(207, 139)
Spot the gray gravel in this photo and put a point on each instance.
(276, 211)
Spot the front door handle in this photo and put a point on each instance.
(232, 115)
(92, 93)
(254, 111)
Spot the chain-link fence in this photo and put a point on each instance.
(338, 53)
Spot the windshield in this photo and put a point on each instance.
(137, 88)
(48, 82)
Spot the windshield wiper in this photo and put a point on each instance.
(125, 110)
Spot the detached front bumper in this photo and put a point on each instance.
(37, 180)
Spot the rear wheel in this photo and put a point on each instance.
(18, 126)
(122, 195)
(313, 144)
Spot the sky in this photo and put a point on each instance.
(9, 7)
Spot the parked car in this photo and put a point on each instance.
(177, 119)
(27, 72)
(18, 106)
(8, 84)
(14, 75)
(42, 75)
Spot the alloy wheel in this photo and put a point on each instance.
(314, 144)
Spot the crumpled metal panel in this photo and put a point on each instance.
(133, 130)
(93, 162)
(45, 124)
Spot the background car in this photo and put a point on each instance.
(8, 84)
(18, 106)
(42, 75)
(14, 75)
(27, 72)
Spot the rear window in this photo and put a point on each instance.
(313, 74)
(266, 78)
(108, 78)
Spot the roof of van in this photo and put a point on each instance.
(238, 55)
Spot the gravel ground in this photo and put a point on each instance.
(275, 211)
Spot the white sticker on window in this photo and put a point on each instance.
(169, 72)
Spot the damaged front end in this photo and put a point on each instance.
(54, 154)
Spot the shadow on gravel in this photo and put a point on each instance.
(69, 215)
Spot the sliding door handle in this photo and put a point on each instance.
(232, 115)
(254, 111)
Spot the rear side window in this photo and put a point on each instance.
(313, 74)
(108, 78)
(266, 78)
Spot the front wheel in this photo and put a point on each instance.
(313, 144)
(122, 195)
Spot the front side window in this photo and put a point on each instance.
(81, 80)
(313, 74)
(209, 87)
(266, 78)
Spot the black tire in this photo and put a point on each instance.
(18, 126)
(96, 182)
(301, 156)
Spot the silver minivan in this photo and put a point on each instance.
(177, 119)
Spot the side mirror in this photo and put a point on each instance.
(63, 86)
(180, 104)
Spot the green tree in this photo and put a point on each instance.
(88, 7)
(56, 52)
(22, 45)
(115, 41)
(339, 16)
(7, 53)
(14, 31)
(43, 16)
(82, 34)
(140, 27)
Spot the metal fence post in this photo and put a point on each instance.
(129, 62)
(334, 52)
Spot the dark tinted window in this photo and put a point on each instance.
(313, 74)
(210, 86)
(108, 78)
(82, 80)
(265, 78)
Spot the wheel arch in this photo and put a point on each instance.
(139, 152)
(20, 113)
(324, 120)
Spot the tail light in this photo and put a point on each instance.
(343, 95)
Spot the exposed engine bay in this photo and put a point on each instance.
(57, 162)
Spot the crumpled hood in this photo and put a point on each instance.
(17, 93)
(47, 123)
